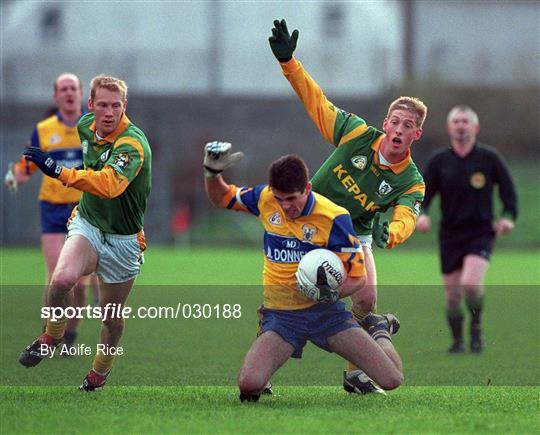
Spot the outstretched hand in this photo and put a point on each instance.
(43, 161)
(281, 43)
(380, 231)
(218, 157)
(10, 180)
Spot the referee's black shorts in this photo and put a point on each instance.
(454, 246)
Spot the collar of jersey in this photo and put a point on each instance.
(61, 118)
(111, 137)
(399, 166)
(309, 205)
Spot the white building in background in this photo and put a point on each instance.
(353, 48)
(488, 43)
(178, 48)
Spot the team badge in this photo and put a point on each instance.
(104, 156)
(55, 139)
(384, 188)
(84, 146)
(308, 231)
(121, 161)
(275, 219)
(478, 180)
(359, 162)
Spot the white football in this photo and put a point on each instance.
(330, 262)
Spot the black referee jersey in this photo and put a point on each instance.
(466, 188)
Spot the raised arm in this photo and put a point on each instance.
(336, 126)
(217, 158)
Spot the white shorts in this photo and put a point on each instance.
(119, 256)
(366, 241)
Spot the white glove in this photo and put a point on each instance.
(10, 180)
(320, 292)
(306, 287)
(218, 157)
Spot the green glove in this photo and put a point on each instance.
(281, 43)
(380, 231)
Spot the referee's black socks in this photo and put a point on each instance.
(454, 316)
(475, 306)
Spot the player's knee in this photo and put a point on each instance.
(393, 381)
(249, 384)
(62, 281)
(453, 299)
(365, 299)
(472, 290)
(114, 323)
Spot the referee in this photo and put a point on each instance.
(465, 175)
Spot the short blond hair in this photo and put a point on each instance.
(111, 83)
(411, 104)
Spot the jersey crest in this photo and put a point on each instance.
(384, 188)
(308, 232)
(55, 139)
(359, 162)
(122, 161)
(103, 157)
(478, 180)
(275, 219)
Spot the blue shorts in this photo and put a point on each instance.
(315, 324)
(54, 217)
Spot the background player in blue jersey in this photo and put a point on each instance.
(57, 135)
(290, 211)
(465, 175)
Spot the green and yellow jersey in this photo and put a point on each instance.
(116, 179)
(354, 176)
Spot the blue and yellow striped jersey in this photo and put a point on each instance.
(62, 143)
(322, 224)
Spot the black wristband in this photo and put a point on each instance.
(213, 171)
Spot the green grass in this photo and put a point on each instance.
(178, 375)
(291, 410)
(168, 266)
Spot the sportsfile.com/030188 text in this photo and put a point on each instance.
(113, 310)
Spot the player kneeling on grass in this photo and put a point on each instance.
(297, 220)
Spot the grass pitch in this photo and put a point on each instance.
(291, 410)
(178, 375)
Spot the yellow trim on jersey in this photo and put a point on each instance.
(123, 124)
(358, 131)
(420, 187)
(24, 166)
(106, 183)
(141, 239)
(135, 144)
(398, 167)
(402, 225)
(227, 198)
(357, 268)
(321, 111)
